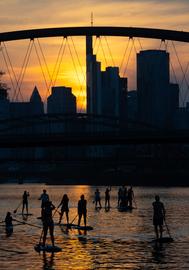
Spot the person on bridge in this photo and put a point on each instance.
(158, 216)
(47, 220)
(25, 202)
(64, 208)
(82, 210)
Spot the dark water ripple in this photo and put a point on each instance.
(118, 241)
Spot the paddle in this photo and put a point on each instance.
(17, 208)
(73, 219)
(23, 222)
(168, 231)
(56, 209)
(135, 202)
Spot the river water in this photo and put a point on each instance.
(120, 240)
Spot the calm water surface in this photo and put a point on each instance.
(120, 240)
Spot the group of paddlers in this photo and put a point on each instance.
(125, 199)
(47, 208)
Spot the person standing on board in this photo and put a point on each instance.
(82, 210)
(25, 201)
(130, 196)
(107, 197)
(47, 220)
(119, 196)
(44, 198)
(97, 198)
(64, 208)
(8, 224)
(158, 216)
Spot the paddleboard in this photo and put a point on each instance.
(164, 240)
(75, 226)
(47, 248)
(125, 209)
(25, 214)
(9, 230)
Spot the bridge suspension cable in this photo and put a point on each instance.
(58, 62)
(75, 68)
(7, 67)
(56, 69)
(125, 52)
(109, 51)
(44, 59)
(41, 66)
(184, 79)
(19, 81)
(83, 80)
(128, 59)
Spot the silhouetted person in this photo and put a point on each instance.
(158, 217)
(82, 210)
(97, 198)
(44, 197)
(47, 220)
(107, 197)
(8, 224)
(25, 201)
(124, 197)
(130, 196)
(64, 207)
(119, 196)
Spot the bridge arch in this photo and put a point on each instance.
(131, 32)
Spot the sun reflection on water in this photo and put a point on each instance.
(120, 240)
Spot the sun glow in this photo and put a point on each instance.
(62, 62)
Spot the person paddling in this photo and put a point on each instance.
(107, 197)
(64, 208)
(47, 220)
(97, 198)
(44, 197)
(158, 216)
(82, 210)
(8, 224)
(130, 196)
(119, 196)
(25, 201)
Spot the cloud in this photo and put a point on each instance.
(22, 14)
(27, 14)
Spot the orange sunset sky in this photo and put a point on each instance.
(27, 14)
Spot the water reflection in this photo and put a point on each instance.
(48, 261)
(82, 236)
(158, 252)
(120, 240)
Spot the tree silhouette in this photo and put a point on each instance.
(3, 87)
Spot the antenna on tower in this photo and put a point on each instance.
(91, 18)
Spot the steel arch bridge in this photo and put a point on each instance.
(131, 32)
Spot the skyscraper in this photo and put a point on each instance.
(94, 89)
(36, 102)
(113, 88)
(61, 100)
(106, 91)
(156, 96)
